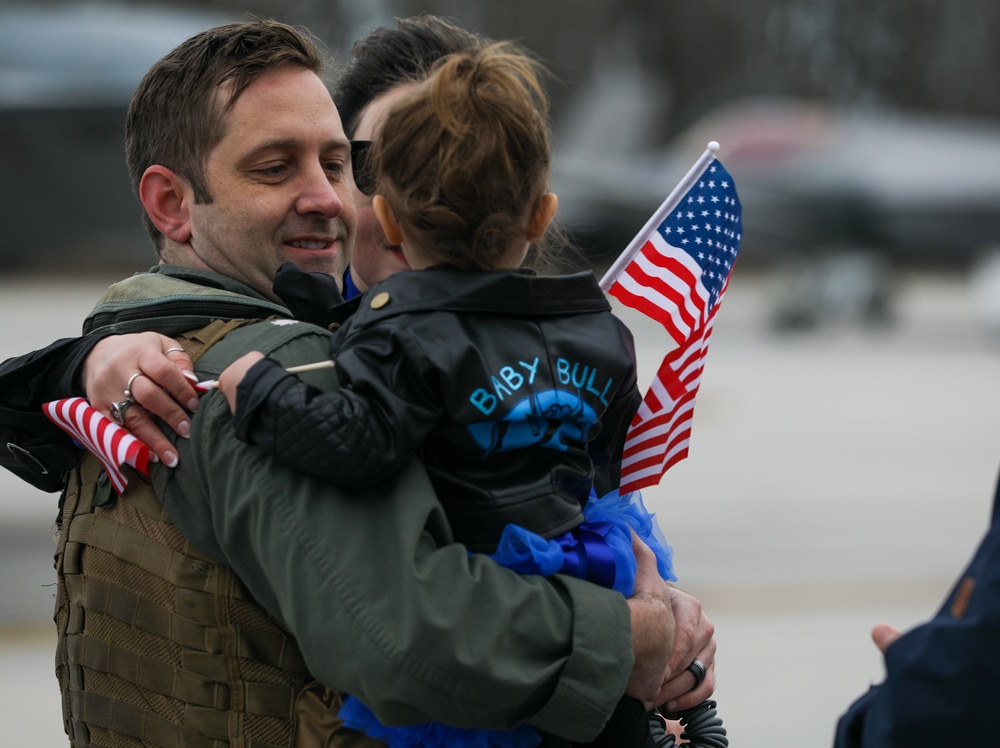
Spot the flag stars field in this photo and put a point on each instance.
(681, 288)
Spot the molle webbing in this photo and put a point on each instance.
(158, 644)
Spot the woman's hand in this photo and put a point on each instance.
(163, 387)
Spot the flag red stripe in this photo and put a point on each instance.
(649, 308)
(663, 452)
(109, 442)
(674, 263)
(658, 428)
(663, 287)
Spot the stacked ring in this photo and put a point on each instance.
(128, 387)
(119, 408)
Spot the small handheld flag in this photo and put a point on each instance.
(213, 384)
(113, 445)
(676, 271)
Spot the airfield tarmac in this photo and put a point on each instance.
(837, 478)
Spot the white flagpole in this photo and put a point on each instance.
(213, 384)
(657, 218)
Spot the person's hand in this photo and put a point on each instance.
(163, 386)
(695, 639)
(233, 374)
(652, 628)
(883, 635)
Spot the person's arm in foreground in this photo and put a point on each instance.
(416, 629)
(694, 635)
(942, 677)
(385, 606)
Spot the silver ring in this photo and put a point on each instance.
(118, 410)
(128, 387)
(699, 671)
(171, 350)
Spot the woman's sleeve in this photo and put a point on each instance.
(33, 448)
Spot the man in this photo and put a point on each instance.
(942, 678)
(284, 579)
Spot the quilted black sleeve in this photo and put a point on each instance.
(354, 436)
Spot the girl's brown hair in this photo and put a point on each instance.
(463, 161)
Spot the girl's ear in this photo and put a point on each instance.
(165, 196)
(390, 225)
(547, 207)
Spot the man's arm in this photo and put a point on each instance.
(383, 607)
(382, 602)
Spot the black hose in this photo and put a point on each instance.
(702, 727)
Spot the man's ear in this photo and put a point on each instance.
(390, 225)
(546, 211)
(166, 197)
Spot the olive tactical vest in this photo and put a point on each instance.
(158, 645)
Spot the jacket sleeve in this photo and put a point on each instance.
(354, 435)
(942, 677)
(382, 602)
(34, 448)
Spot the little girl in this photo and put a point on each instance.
(514, 389)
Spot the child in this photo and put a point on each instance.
(515, 390)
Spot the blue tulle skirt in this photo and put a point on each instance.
(599, 550)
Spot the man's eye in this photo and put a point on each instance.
(336, 167)
(272, 171)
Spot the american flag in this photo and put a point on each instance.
(676, 271)
(113, 445)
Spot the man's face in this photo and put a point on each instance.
(280, 182)
(375, 258)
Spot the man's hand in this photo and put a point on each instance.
(164, 387)
(652, 628)
(695, 639)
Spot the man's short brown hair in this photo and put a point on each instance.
(174, 119)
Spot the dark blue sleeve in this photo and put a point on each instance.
(942, 679)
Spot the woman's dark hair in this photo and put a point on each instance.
(389, 56)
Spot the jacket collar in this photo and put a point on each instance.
(180, 298)
(514, 292)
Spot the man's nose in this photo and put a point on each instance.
(318, 194)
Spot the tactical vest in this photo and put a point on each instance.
(158, 645)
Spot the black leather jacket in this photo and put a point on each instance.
(511, 387)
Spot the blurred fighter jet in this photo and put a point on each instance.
(915, 188)
(834, 201)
